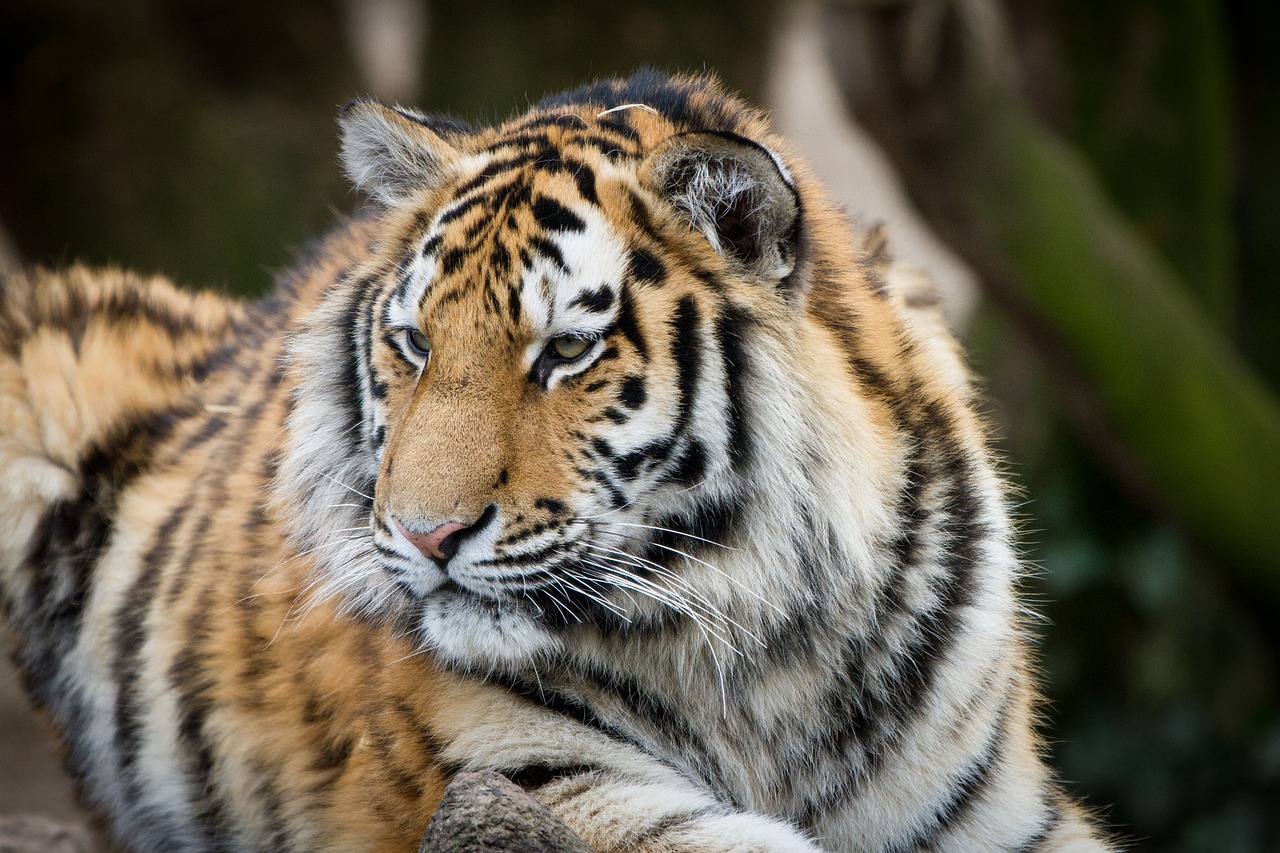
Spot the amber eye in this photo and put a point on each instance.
(569, 347)
(419, 344)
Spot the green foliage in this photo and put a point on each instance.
(1160, 654)
(1160, 672)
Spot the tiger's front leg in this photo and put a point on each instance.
(487, 811)
(611, 812)
(611, 794)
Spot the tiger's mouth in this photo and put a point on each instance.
(559, 593)
(492, 601)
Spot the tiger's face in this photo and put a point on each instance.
(539, 407)
(555, 319)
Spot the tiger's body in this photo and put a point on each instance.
(600, 453)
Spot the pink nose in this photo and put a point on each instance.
(434, 543)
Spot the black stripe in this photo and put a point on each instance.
(610, 146)
(130, 622)
(213, 424)
(632, 394)
(1053, 819)
(550, 251)
(690, 467)
(619, 125)
(687, 354)
(459, 209)
(554, 216)
(627, 325)
(968, 788)
(71, 538)
(596, 301)
(193, 686)
(533, 776)
(713, 521)
(643, 266)
(451, 260)
(644, 219)
(670, 823)
(731, 326)
(585, 177)
(561, 703)
(351, 398)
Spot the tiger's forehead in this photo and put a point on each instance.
(518, 245)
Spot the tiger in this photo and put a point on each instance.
(598, 449)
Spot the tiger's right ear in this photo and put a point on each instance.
(393, 154)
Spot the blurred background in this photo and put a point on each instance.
(1095, 186)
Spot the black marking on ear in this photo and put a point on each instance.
(644, 267)
(632, 394)
(554, 216)
(596, 301)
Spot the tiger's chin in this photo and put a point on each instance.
(482, 634)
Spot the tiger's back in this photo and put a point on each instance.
(598, 454)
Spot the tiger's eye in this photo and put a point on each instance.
(419, 342)
(569, 347)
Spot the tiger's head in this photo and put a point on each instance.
(579, 364)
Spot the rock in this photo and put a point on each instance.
(483, 812)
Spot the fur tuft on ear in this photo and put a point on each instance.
(737, 193)
(391, 153)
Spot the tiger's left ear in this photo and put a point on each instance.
(737, 193)
(391, 153)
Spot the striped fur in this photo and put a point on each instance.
(736, 572)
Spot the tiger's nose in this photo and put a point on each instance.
(441, 542)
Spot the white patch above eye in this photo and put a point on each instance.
(402, 308)
(580, 298)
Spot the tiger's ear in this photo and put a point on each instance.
(736, 192)
(391, 153)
